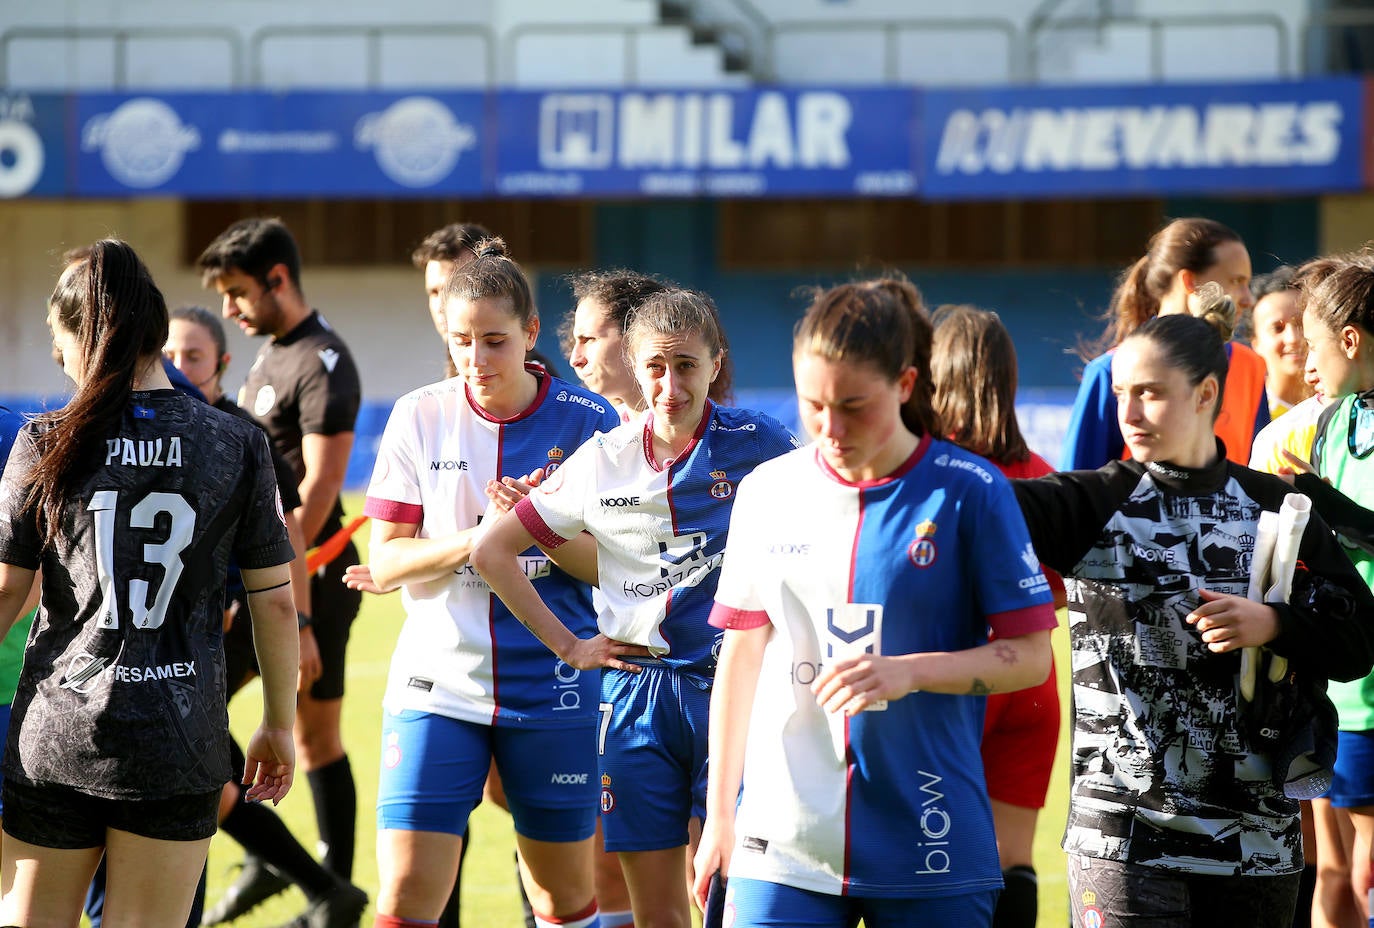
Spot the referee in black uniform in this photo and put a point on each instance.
(304, 389)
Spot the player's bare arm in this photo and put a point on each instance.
(15, 586)
(850, 684)
(398, 557)
(575, 557)
(732, 703)
(271, 752)
(495, 558)
(326, 462)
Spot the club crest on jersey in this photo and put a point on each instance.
(265, 400)
(921, 552)
(607, 797)
(722, 488)
(555, 460)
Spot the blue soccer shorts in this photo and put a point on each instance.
(652, 744)
(434, 767)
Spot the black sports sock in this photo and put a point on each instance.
(198, 901)
(452, 916)
(1302, 915)
(336, 813)
(1020, 900)
(260, 832)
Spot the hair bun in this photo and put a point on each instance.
(494, 247)
(1211, 304)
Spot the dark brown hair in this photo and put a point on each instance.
(105, 297)
(676, 312)
(1339, 290)
(1183, 245)
(882, 323)
(253, 246)
(493, 274)
(617, 291)
(1190, 344)
(449, 243)
(973, 367)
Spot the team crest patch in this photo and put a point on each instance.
(1092, 917)
(607, 797)
(922, 551)
(264, 401)
(555, 460)
(722, 488)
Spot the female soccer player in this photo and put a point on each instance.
(468, 683)
(864, 572)
(595, 336)
(656, 495)
(1276, 335)
(132, 499)
(1182, 256)
(1179, 813)
(973, 366)
(1338, 321)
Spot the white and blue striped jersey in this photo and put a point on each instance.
(461, 653)
(891, 802)
(660, 531)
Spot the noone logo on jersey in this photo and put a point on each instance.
(1110, 138)
(666, 131)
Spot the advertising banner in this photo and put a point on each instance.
(1142, 140)
(726, 143)
(294, 144)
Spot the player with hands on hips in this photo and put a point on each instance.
(655, 493)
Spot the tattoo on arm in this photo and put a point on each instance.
(979, 688)
(1006, 653)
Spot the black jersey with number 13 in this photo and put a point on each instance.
(122, 691)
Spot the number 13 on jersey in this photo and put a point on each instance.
(165, 554)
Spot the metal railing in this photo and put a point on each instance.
(629, 31)
(891, 31)
(121, 36)
(1157, 26)
(1332, 40)
(373, 35)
